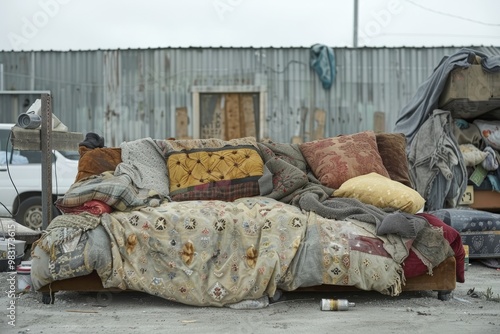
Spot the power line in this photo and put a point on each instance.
(439, 35)
(452, 15)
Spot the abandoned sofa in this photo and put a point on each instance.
(208, 222)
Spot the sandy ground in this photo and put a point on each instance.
(133, 312)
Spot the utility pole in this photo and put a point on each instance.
(355, 27)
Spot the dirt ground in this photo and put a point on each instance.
(473, 308)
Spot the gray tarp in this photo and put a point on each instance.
(439, 168)
(426, 99)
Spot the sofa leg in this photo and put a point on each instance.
(48, 297)
(444, 295)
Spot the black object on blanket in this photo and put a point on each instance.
(92, 140)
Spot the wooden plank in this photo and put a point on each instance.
(30, 139)
(471, 92)
(181, 123)
(486, 200)
(443, 279)
(232, 116)
(247, 116)
(379, 121)
(319, 124)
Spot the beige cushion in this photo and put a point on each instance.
(381, 192)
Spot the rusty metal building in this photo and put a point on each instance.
(271, 93)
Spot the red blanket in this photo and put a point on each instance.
(414, 266)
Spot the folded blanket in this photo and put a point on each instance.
(144, 162)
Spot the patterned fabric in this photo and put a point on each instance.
(469, 220)
(480, 230)
(490, 132)
(381, 192)
(216, 253)
(116, 191)
(215, 174)
(72, 246)
(205, 252)
(338, 159)
(482, 245)
(168, 146)
(345, 253)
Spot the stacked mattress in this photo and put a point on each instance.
(480, 230)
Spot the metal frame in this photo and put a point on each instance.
(44, 140)
(46, 147)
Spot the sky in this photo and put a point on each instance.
(33, 25)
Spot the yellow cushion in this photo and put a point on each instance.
(219, 173)
(381, 192)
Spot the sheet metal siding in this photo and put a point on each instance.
(129, 94)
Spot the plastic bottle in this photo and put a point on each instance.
(336, 304)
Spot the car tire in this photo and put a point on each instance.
(30, 213)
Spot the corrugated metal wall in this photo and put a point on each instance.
(130, 94)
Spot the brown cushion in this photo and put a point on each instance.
(392, 149)
(338, 159)
(94, 161)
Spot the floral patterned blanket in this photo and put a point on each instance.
(214, 253)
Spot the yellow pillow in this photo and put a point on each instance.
(381, 192)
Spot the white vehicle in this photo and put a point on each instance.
(21, 180)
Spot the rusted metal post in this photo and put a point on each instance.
(46, 147)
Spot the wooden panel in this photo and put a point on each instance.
(30, 139)
(379, 121)
(232, 117)
(248, 116)
(181, 123)
(319, 124)
(443, 279)
(471, 92)
(486, 200)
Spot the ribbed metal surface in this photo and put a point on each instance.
(129, 94)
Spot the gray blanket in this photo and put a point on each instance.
(287, 177)
(436, 165)
(394, 226)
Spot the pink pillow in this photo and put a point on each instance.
(337, 159)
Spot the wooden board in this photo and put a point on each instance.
(486, 200)
(181, 123)
(248, 116)
(30, 139)
(471, 92)
(443, 279)
(233, 116)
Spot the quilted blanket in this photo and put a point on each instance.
(213, 253)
